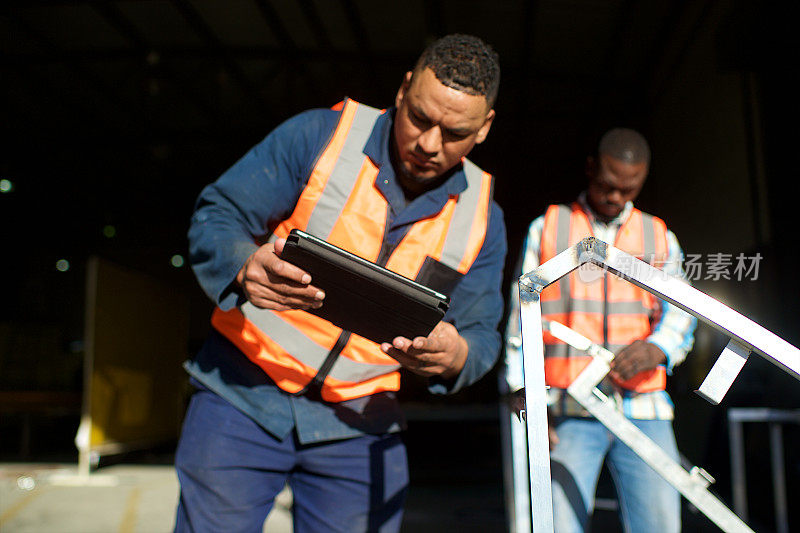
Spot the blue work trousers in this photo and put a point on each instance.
(647, 503)
(230, 471)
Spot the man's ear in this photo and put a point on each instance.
(401, 92)
(487, 125)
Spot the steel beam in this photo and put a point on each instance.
(536, 411)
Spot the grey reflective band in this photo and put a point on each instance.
(457, 239)
(345, 369)
(565, 350)
(308, 352)
(593, 306)
(291, 339)
(563, 223)
(560, 350)
(648, 239)
(345, 172)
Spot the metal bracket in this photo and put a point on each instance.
(721, 376)
(746, 336)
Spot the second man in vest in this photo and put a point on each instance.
(648, 336)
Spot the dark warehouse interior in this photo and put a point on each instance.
(116, 113)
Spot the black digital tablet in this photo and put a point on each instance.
(361, 296)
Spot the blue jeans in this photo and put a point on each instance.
(230, 471)
(647, 503)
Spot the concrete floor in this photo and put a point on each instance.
(42, 493)
(456, 483)
(128, 498)
(53, 498)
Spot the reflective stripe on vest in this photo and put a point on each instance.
(582, 299)
(342, 205)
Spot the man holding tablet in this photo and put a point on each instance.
(283, 394)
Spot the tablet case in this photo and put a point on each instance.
(362, 297)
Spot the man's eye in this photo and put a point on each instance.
(455, 135)
(418, 119)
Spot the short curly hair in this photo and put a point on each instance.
(465, 63)
(624, 144)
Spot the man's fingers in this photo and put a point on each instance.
(278, 268)
(419, 363)
(284, 279)
(265, 265)
(268, 299)
(275, 285)
(293, 287)
(624, 370)
(442, 352)
(278, 245)
(617, 375)
(639, 356)
(268, 258)
(402, 343)
(398, 347)
(407, 361)
(438, 340)
(269, 282)
(272, 292)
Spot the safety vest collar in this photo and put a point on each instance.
(377, 145)
(619, 220)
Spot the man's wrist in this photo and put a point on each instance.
(663, 356)
(459, 361)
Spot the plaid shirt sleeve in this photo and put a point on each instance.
(673, 333)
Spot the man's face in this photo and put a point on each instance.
(435, 127)
(612, 183)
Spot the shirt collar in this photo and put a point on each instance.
(617, 221)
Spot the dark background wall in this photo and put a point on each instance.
(115, 114)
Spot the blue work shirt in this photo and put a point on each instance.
(237, 213)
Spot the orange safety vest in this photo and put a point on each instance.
(342, 205)
(605, 308)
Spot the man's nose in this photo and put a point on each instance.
(614, 197)
(430, 142)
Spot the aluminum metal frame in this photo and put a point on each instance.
(746, 336)
(692, 484)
